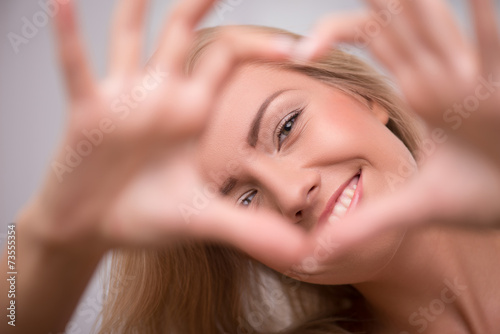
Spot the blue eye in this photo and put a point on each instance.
(246, 201)
(285, 127)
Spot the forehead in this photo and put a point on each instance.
(224, 141)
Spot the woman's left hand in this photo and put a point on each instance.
(454, 87)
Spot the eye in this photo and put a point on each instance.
(247, 198)
(286, 126)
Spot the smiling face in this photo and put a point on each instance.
(284, 141)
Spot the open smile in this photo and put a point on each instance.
(343, 200)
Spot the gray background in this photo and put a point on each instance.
(32, 100)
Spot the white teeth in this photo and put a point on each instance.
(339, 210)
(350, 191)
(343, 203)
(333, 219)
(345, 200)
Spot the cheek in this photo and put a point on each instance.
(336, 137)
(345, 135)
(359, 264)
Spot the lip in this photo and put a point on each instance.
(335, 196)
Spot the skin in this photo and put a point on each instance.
(422, 40)
(398, 272)
(128, 190)
(426, 263)
(334, 137)
(458, 185)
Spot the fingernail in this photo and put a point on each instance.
(304, 50)
(284, 44)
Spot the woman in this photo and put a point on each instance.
(261, 125)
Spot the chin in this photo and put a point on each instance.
(363, 263)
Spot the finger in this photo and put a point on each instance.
(486, 26)
(440, 30)
(392, 45)
(390, 56)
(419, 39)
(395, 47)
(457, 200)
(424, 29)
(255, 233)
(399, 210)
(127, 36)
(178, 33)
(388, 20)
(166, 204)
(233, 48)
(330, 31)
(74, 63)
(147, 223)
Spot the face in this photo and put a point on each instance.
(283, 141)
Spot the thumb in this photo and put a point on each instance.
(401, 209)
(264, 235)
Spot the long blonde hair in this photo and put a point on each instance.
(214, 289)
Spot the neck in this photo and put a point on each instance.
(439, 281)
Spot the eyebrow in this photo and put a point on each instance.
(253, 134)
(228, 185)
(253, 137)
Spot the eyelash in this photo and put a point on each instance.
(251, 194)
(292, 116)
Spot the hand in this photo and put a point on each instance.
(123, 172)
(454, 88)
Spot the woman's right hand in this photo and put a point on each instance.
(452, 84)
(123, 173)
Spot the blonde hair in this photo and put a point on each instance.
(210, 288)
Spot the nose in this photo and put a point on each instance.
(293, 188)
